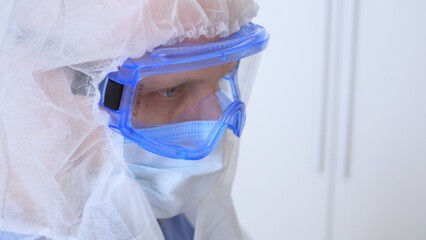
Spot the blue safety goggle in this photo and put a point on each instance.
(178, 101)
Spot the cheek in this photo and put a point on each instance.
(207, 108)
(196, 101)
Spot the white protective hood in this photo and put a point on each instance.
(62, 170)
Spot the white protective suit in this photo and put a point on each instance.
(62, 170)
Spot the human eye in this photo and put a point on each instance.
(170, 92)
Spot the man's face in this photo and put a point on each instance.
(178, 97)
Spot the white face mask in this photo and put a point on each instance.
(172, 185)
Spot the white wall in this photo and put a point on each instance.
(335, 141)
(276, 165)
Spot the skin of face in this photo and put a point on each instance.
(178, 97)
